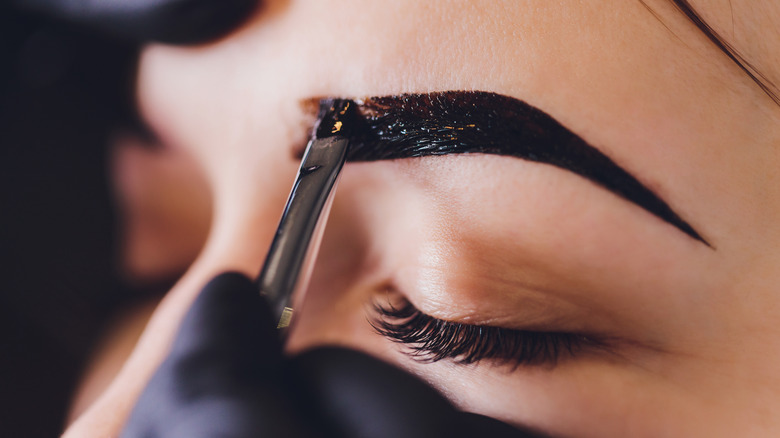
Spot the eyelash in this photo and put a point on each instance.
(430, 339)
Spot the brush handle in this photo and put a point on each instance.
(290, 259)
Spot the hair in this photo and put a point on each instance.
(766, 85)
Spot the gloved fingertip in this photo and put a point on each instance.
(359, 395)
(480, 425)
(229, 317)
(225, 374)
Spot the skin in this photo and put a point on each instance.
(498, 240)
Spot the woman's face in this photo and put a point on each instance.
(687, 333)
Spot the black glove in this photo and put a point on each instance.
(167, 21)
(226, 376)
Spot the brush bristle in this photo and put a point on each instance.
(336, 117)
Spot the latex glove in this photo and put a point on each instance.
(167, 21)
(226, 376)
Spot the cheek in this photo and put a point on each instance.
(583, 398)
(165, 209)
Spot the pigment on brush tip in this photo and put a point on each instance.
(337, 117)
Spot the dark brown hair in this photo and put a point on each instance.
(767, 86)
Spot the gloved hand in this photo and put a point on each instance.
(166, 21)
(226, 376)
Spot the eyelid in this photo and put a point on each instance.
(430, 339)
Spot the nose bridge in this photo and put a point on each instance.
(353, 228)
(357, 255)
(379, 215)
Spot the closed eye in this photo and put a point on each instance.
(428, 339)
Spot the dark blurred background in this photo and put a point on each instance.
(62, 93)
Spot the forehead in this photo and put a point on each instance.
(589, 64)
(656, 97)
(542, 50)
(569, 58)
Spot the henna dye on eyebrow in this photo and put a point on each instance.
(457, 122)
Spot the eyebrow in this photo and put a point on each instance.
(464, 122)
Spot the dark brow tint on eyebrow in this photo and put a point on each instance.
(457, 122)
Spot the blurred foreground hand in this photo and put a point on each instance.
(165, 21)
(226, 376)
